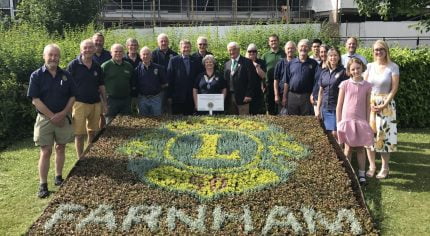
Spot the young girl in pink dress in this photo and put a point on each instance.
(352, 114)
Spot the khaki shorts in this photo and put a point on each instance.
(86, 117)
(45, 133)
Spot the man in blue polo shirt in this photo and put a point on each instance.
(90, 91)
(52, 92)
(299, 81)
(101, 55)
(149, 79)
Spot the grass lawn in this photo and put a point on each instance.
(400, 205)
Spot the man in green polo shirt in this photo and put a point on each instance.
(271, 58)
(117, 75)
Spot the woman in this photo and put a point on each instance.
(323, 58)
(257, 105)
(209, 82)
(330, 78)
(383, 74)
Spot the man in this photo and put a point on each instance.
(149, 79)
(90, 92)
(299, 81)
(202, 45)
(241, 78)
(271, 58)
(181, 74)
(162, 56)
(351, 47)
(279, 71)
(117, 75)
(316, 43)
(101, 55)
(52, 92)
(132, 56)
(163, 53)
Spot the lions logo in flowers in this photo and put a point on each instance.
(211, 157)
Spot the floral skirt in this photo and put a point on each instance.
(384, 125)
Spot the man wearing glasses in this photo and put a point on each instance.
(202, 45)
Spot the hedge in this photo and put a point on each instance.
(22, 45)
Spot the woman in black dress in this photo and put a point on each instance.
(209, 82)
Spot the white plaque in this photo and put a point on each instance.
(210, 102)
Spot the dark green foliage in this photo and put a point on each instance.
(56, 16)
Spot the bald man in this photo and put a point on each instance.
(117, 75)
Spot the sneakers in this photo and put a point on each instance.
(43, 191)
(362, 180)
(58, 180)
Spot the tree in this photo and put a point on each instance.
(392, 8)
(55, 15)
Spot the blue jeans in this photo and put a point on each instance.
(150, 105)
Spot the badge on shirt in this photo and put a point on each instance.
(155, 71)
(95, 73)
(311, 66)
(337, 75)
(127, 72)
(216, 78)
(64, 78)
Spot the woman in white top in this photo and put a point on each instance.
(383, 74)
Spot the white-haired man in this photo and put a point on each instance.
(299, 80)
(242, 81)
(52, 92)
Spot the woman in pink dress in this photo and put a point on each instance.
(352, 115)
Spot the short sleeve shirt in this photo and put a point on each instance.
(381, 82)
(330, 81)
(87, 80)
(210, 84)
(300, 76)
(54, 92)
(271, 59)
(117, 78)
(148, 81)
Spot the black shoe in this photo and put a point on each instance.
(43, 191)
(362, 180)
(58, 180)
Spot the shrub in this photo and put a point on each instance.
(22, 45)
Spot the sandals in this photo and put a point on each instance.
(383, 173)
(371, 172)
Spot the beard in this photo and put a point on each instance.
(51, 65)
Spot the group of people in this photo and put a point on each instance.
(356, 104)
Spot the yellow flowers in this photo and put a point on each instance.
(209, 148)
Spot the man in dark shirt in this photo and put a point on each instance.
(132, 56)
(149, 79)
(90, 95)
(100, 55)
(202, 46)
(162, 56)
(299, 82)
(52, 92)
(181, 74)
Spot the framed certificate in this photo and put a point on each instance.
(210, 102)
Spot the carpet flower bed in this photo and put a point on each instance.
(209, 175)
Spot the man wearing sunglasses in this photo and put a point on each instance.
(202, 46)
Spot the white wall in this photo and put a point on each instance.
(384, 29)
(329, 5)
